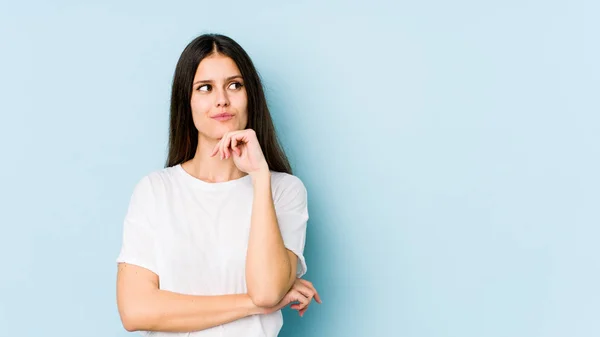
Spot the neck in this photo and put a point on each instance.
(211, 169)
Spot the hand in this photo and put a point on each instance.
(303, 292)
(243, 146)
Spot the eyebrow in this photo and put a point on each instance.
(227, 79)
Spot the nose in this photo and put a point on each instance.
(222, 99)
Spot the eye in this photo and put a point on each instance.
(205, 87)
(235, 85)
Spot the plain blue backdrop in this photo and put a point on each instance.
(450, 150)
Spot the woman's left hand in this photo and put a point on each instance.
(243, 146)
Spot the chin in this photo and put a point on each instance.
(223, 130)
(229, 128)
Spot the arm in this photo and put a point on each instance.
(270, 267)
(143, 306)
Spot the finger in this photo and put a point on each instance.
(318, 298)
(316, 293)
(227, 147)
(240, 142)
(304, 290)
(302, 311)
(234, 146)
(223, 144)
(304, 301)
(215, 149)
(296, 296)
(311, 286)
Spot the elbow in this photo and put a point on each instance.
(267, 293)
(130, 322)
(133, 319)
(265, 299)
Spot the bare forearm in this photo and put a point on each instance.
(161, 310)
(267, 262)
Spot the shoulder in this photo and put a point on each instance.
(155, 181)
(285, 180)
(285, 184)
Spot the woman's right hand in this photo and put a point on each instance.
(303, 292)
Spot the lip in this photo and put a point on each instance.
(223, 117)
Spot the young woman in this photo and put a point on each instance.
(213, 243)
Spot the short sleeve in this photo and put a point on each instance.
(292, 216)
(137, 245)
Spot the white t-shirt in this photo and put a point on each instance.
(194, 235)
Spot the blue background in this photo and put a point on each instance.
(450, 150)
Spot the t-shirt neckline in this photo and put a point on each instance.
(208, 185)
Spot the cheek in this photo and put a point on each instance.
(200, 107)
(242, 107)
(243, 116)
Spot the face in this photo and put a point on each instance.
(219, 102)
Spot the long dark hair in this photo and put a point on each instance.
(183, 135)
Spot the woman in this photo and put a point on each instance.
(213, 243)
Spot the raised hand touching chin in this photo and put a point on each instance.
(245, 149)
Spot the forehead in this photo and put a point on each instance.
(216, 67)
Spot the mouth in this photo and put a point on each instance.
(222, 117)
